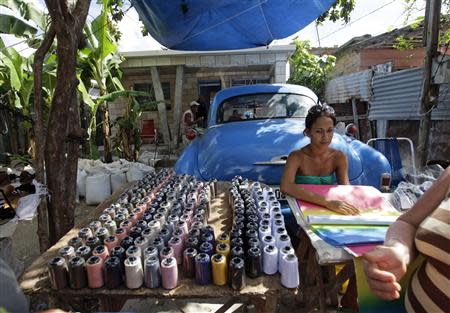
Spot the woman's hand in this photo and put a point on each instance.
(384, 267)
(342, 207)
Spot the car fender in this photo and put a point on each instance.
(188, 161)
(374, 164)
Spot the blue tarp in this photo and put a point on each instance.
(226, 24)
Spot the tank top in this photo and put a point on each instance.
(314, 180)
(429, 288)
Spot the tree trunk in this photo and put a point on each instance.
(106, 133)
(39, 136)
(62, 152)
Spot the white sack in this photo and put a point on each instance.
(98, 188)
(118, 179)
(81, 183)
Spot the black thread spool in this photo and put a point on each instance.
(237, 273)
(251, 233)
(253, 243)
(84, 252)
(118, 252)
(113, 272)
(93, 242)
(192, 242)
(254, 262)
(58, 274)
(77, 273)
(238, 218)
(252, 225)
(127, 242)
(208, 237)
(135, 232)
(207, 248)
(147, 216)
(189, 262)
(237, 242)
(75, 242)
(238, 252)
(102, 233)
(195, 232)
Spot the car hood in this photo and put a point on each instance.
(233, 149)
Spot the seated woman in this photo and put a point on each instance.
(317, 162)
(423, 229)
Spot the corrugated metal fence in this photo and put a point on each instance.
(355, 85)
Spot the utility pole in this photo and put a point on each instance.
(430, 92)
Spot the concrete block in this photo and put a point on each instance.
(238, 59)
(252, 59)
(207, 60)
(267, 58)
(222, 59)
(149, 62)
(193, 60)
(163, 60)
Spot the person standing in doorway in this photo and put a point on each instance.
(203, 110)
(190, 120)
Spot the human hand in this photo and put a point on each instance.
(342, 207)
(384, 267)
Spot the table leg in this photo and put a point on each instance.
(112, 304)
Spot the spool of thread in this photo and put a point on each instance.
(223, 249)
(251, 233)
(238, 251)
(219, 269)
(135, 232)
(187, 219)
(208, 237)
(166, 252)
(283, 241)
(189, 255)
(177, 245)
(134, 275)
(268, 240)
(111, 226)
(172, 219)
(224, 238)
(118, 252)
(85, 233)
(150, 251)
(83, 252)
(141, 242)
(279, 232)
(208, 229)
(274, 211)
(111, 212)
(270, 260)
(150, 234)
(254, 262)
(202, 269)
(133, 218)
(75, 242)
(181, 234)
(127, 242)
(120, 233)
(58, 274)
(207, 248)
(111, 242)
(235, 233)
(264, 231)
(104, 218)
(237, 242)
(237, 273)
(126, 225)
(93, 242)
(169, 273)
(277, 224)
(154, 225)
(192, 242)
(289, 272)
(252, 218)
(77, 273)
(138, 211)
(165, 234)
(67, 252)
(160, 218)
(283, 252)
(134, 251)
(94, 270)
(152, 272)
(158, 243)
(266, 222)
(101, 251)
(197, 225)
(120, 218)
(113, 272)
(253, 242)
(94, 225)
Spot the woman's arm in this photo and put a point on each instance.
(289, 187)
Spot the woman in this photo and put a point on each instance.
(317, 162)
(424, 228)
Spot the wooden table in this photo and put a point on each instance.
(317, 262)
(262, 292)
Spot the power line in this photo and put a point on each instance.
(371, 12)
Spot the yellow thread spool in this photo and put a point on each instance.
(224, 238)
(219, 269)
(223, 249)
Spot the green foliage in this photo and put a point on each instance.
(310, 70)
(340, 11)
(402, 43)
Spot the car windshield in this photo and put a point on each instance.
(263, 106)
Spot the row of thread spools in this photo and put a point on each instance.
(141, 238)
(258, 227)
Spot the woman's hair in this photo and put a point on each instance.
(317, 111)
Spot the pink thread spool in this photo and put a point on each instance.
(188, 219)
(126, 225)
(138, 211)
(166, 252)
(111, 242)
(120, 233)
(133, 218)
(101, 251)
(169, 273)
(94, 270)
(177, 245)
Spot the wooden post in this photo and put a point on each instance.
(159, 95)
(355, 117)
(177, 110)
(430, 92)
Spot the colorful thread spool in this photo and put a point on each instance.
(127, 242)
(57, 272)
(111, 226)
(206, 247)
(223, 249)
(237, 273)
(94, 225)
(134, 275)
(289, 272)
(150, 251)
(118, 252)
(94, 270)
(270, 260)
(268, 240)
(120, 233)
(75, 242)
(219, 269)
(113, 272)
(126, 225)
(283, 241)
(177, 245)
(83, 252)
(85, 233)
(224, 238)
(169, 273)
(93, 242)
(77, 273)
(166, 252)
(101, 251)
(152, 272)
(111, 242)
(67, 252)
(134, 251)
(189, 262)
(203, 269)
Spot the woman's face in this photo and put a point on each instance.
(321, 132)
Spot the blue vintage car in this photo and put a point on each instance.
(252, 129)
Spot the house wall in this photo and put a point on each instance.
(401, 59)
(346, 64)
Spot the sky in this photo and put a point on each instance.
(369, 17)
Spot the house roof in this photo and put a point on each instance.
(413, 32)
